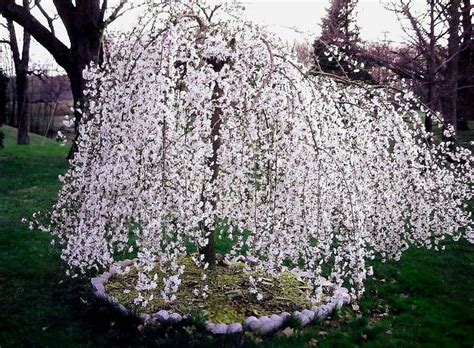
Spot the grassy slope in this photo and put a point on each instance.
(427, 299)
(29, 267)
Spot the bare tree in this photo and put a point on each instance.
(466, 69)
(85, 22)
(438, 57)
(21, 61)
(8, 68)
(453, 15)
(3, 102)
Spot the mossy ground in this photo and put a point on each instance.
(229, 300)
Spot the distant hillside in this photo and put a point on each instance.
(49, 89)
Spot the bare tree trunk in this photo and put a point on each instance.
(21, 83)
(466, 70)
(77, 88)
(86, 46)
(3, 101)
(22, 108)
(431, 67)
(453, 64)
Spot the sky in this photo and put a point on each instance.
(375, 21)
(282, 17)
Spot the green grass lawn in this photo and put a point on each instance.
(426, 299)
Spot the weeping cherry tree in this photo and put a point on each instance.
(205, 127)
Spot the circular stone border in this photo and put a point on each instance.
(262, 325)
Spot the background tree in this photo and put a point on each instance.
(339, 24)
(450, 102)
(85, 22)
(21, 61)
(337, 45)
(3, 102)
(436, 60)
(466, 68)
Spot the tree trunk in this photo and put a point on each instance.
(77, 88)
(453, 64)
(209, 251)
(431, 67)
(86, 46)
(21, 80)
(22, 107)
(466, 73)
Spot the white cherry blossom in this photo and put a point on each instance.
(316, 171)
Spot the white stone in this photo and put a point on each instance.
(249, 320)
(210, 326)
(330, 306)
(318, 312)
(324, 312)
(346, 298)
(304, 319)
(285, 316)
(234, 328)
(98, 284)
(126, 263)
(162, 316)
(219, 329)
(277, 320)
(175, 318)
(254, 325)
(308, 313)
(266, 326)
(99, 294)
(105, 276)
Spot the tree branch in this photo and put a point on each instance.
(46, 16)
(65, 9)
(13, 43)
(115, 13)
(20, 15)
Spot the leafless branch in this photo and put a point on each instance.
(116, 12)
(46, 16)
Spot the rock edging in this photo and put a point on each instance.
(262, 325)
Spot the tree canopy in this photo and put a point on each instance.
(204, 126)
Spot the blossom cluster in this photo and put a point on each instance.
(193, 125)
